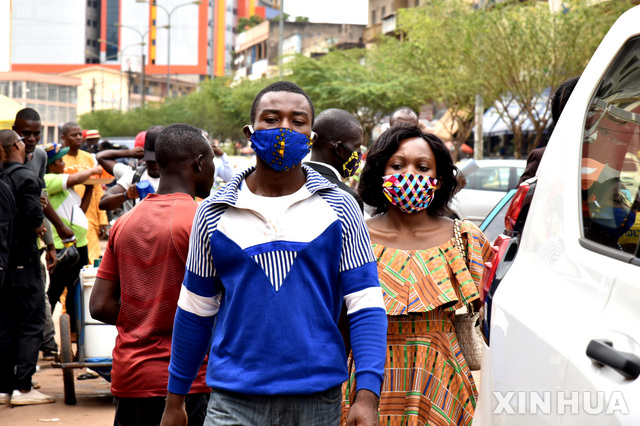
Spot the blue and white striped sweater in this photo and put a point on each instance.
(276, 300)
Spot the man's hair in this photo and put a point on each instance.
(6, 138)
(402, 108)
(66, 127)
(28, 114)
(370, 187)
(561, 96)
(280, 86)
(179, 142)
(333, 124)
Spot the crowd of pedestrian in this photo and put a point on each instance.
(283, 296)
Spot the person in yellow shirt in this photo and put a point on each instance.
(77, 160)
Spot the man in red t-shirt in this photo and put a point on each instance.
(139, 280)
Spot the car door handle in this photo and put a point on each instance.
(602, 353)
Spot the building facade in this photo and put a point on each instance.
(55, 98)
(256, 53)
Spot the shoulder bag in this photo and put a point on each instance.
(468, 333)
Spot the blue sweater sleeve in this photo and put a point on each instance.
(191, 337)
(363, 297)
(197, 306)
(367, 325)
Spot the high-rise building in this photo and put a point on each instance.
(188, 38)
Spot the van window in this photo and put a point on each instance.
(610, 169)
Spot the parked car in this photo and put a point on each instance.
(485, 187)
(493, 223)
(562, 293)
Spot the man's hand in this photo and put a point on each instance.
(40, 230)
(51, 258)
(175, 413)
(217, 151)
(103, 234)
(44, 200)
(64, 232)
(364, 412)
(132, 193)
(137, 152)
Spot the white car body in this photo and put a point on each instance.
(562, 291)
(485, 187)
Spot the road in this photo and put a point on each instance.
(94, 406)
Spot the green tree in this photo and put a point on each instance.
(364, 82)
(245, 24)
(524, 49)
(438, 45)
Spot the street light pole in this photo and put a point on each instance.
(168, 27)
(119, 55)
(142, 55)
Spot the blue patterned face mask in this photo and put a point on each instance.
(281, 149)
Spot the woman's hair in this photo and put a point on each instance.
(370, 187)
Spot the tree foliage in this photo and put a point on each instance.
(443, 52)
(439, 46)
(364, 82)
(524, 49)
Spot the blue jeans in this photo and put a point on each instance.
(319, 409)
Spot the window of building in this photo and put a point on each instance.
(63, 94)
(95, 24)
(610, 156)
(51, 114)
(383, 12)
(373, 17)
(17, 89)
(53, 93)
(32, 90)
(95, 4)
(73, 96)
(5, 88)
(43, 91)
(88, 42)
(88, 22)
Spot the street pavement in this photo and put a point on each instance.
(94, 406)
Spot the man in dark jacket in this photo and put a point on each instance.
(336, 153)
(22, 314)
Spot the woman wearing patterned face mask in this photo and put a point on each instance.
(410, 179)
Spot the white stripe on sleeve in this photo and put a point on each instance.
(199, 305)
(368, 298)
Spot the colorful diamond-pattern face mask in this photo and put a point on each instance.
(281, 148)
(410, 193)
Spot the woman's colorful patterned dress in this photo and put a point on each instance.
(427, 381)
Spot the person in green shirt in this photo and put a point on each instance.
(71, 209)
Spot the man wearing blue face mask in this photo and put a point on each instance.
(272, 257)
(336, 154)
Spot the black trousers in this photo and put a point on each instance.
(22, 321)
(148, 411)
(67, 278)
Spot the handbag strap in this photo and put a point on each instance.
(457, 238)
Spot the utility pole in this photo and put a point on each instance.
(281, 39)
(478, 137)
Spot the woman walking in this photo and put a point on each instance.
(410, 179)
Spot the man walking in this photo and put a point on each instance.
(139, 280)
(272, 257)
